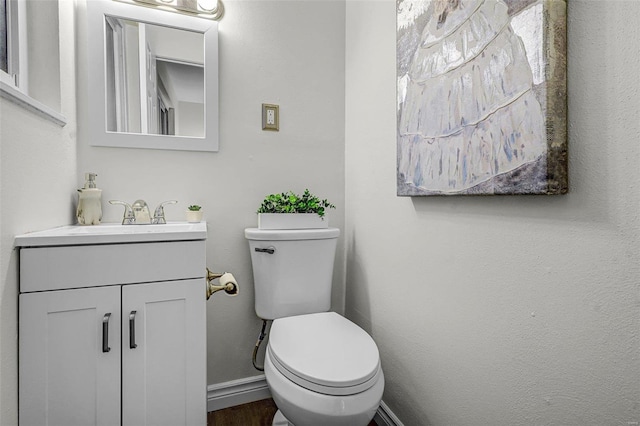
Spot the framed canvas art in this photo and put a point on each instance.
(481, 106)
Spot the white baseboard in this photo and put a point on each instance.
(237, 392)
(385, 417)
(251, 389)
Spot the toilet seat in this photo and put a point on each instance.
(325, 353)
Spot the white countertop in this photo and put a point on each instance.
(112, 233)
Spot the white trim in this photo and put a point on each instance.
(95, 54)
(14, 84)
(20, 57)
(237, 392)
(251, 389)
(385, 417)
(11, 93)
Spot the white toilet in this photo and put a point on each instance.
(321, 368)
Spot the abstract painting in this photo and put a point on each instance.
(481, 97)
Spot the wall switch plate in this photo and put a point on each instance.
(270, 117)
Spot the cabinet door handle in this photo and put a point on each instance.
(105, 332)
(132, 330)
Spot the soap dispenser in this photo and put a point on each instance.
(89, 211)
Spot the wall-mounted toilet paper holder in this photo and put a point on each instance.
(227, 283)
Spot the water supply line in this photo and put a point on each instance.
(230, 286)
(261, 337)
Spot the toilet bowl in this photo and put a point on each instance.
(323, 370)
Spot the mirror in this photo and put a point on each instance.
(153, 78)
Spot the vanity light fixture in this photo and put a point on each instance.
(208, 5)
(209, 9)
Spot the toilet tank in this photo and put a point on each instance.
(292, 270)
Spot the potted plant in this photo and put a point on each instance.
(288, 210)
(194, 213)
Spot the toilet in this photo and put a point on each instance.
(321, 368)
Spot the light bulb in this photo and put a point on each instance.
(208, 5)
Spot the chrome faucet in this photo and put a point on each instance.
(129, 218)
(139, 214)
(158, 215)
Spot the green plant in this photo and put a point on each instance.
(288, 202)
(194, 208)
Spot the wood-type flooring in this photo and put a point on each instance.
(259, 413)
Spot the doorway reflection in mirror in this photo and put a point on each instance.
(154, 79)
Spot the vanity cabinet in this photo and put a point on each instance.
(65, 377)
(104, 339)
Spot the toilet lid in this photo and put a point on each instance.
(324, 352)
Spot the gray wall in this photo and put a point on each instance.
(282, 52)
(513, 310)
(289, 53)
(37, 183)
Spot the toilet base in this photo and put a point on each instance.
(280, 420)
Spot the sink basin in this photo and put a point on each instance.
(111, 233)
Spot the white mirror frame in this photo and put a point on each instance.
(98, 136)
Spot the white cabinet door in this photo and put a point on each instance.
(164, 359)
(68, 375)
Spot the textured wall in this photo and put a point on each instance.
(289, 53)
(515, 310)
(37, 189)
(512, 310)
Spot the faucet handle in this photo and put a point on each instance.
(129, 218)
(158, 215)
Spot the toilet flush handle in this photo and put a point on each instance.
(269, 250)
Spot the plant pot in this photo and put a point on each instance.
(194, 216)
(291, 221)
